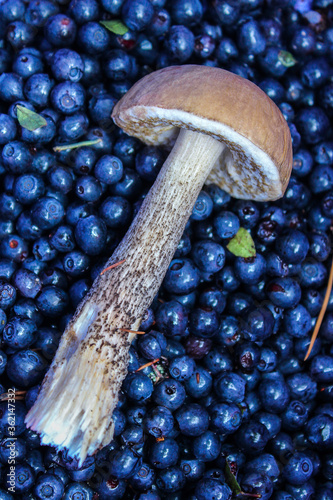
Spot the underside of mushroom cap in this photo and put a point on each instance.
(258, 159)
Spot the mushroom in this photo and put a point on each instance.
(224, 129)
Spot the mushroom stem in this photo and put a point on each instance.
(80, 391)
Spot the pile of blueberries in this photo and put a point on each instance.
(227, 407)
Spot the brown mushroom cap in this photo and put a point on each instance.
(258, 159)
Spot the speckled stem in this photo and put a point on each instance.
(80, 391)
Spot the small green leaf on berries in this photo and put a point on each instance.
(286, 58)
(29, 119)
(242, 244)
(116, 26)
(231, 479)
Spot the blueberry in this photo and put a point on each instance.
(208, 256)
(76, 263)
(19, 333)
(159, 422)
(14, 247)
(249, 270)
(212, 488)
(7, 128)
(148, 163)
(226, 224)
(138, 386)
(48, 486)
(274, 394)
(26, 65)
(84, 10)
(143, 478)
(52, 301)
(37, 12)
(147, 320)
(294, 416)
(7, 294)
(68, 97)
(74, 490)
(109, 169)
(24, 479)
(26, 368)
(207, 446)
(226, 418)
(258, 484)
(90, 234)
(179, 43)
(302, 387)
(321, 369)
(303, 40)
(247, 356)
(170, 479)
(100, 109)
(128, 186)
(171, 318)
(250, 38)
(252, 437)
(192, 469)
(204, 322)
(137, 14)
(181, 277)
(169, 393)
(20, 34)
(284, 292)
(203, 207)
(264, 464)
(199, 384)
(7, 450)
(11, 87)
(10, 208)
(28, 188)
(229, 387)
(124, 462)
(111, 487)
(164, 453)
(293, 246)
(258, 324)
(227, 12)
(60, 30)
(93, 38)
(181, 367)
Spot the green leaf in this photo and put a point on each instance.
(242, 244)
(231, 480)
(29, 119)
(76, 145)
(286, 58)
(116, 26)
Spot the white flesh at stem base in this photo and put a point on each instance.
(80, 391)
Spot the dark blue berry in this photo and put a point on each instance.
(284, 292)
(138, 386)
(26, 368)
(16, 157)
(179, 44)
(7, 128)
(137, 14)
(229, 387)
(164, 453)
(90, 234)
(93, 38)
(226, 418)
(60, 30)
(169, 393)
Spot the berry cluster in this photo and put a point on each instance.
(218, 402)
